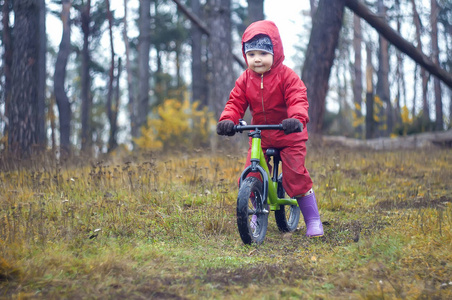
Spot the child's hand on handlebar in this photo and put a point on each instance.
(225, 127)
(292, 125)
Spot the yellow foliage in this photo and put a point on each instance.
(178, 124)
(357, 121)
(378, 101)
(406, 119)
(357, 106)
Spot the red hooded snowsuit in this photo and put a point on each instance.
(272, 97)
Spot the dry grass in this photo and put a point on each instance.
(164, 227)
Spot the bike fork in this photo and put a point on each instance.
(256, 168)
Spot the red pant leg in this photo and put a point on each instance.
(296, 178)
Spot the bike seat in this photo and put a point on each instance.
(272, 152)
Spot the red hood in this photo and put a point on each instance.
(268, 28)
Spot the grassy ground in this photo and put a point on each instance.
(165, 228)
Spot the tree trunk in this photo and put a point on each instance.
(130, 89)
(86, 97)
(415, 79)
(111, 108)
(424, 76)
(382, 90)
(23, 112)
(313, 9)
(395, 39)
(52, 126)
(198, 68)
(435, 58)
(358, 75)
(64, 107)
(448, 41)
(160, 90)
(400, 74)
(160, 84)
(179, 79)
(112, 141)
(7, 59)
(255, 10)
(220, 50)
(203, 26)
(178, 52)
(370, 122)
(319, 58)
(42, 74)
(144, 46)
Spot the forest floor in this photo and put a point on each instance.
(165, 228)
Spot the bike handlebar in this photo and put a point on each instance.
(240, 128)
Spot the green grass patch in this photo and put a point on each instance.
(154, 227)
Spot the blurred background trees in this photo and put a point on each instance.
(125, 72)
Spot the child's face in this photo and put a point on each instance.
(259, 61)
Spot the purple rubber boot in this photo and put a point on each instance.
(308, 207)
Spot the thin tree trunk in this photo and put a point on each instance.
(358, 75)
(64, 106)
(220, 50)
(86, 97)
(160, 90)
(415, 79)
(130, 89)
(198, 68)
(52, 124)
(110, 107)
(179, 79)
(370, 123)
(144, 45)
(424, 76)
(7, 59)
(448, 42)
(382, 90)
(112, 142)
(319, 58)
(399, 73)
(42, 74)
(160, 85)
(23, 114)
(178, 51)
(435, 57)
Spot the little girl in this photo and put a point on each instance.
(275, 94)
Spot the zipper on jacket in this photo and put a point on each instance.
(262, 97)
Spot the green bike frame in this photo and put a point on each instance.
(259, 165)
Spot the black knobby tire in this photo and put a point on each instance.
(287, 217)
(252, 232)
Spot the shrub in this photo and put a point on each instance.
(178, 124)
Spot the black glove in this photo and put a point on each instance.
(225, 127)
(292, 125)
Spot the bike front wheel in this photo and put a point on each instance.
(252, 211)
(288, 216)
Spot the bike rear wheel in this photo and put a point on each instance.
(288, 216)
(252, 211)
